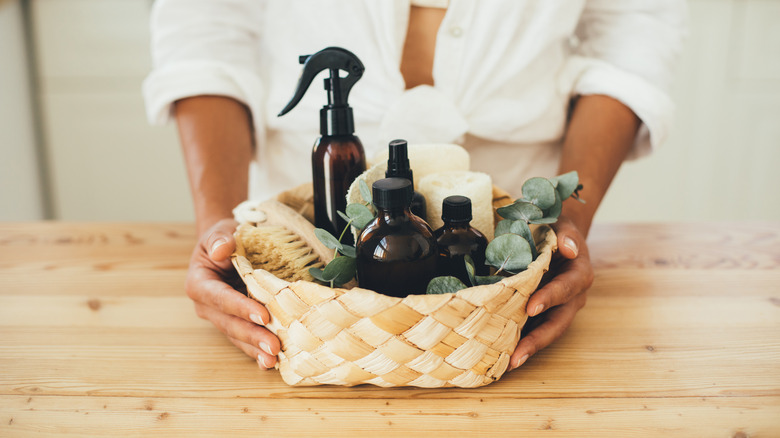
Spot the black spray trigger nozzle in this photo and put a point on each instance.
(338, 88)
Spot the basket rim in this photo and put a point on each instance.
(546, 248)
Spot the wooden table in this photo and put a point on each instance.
(680, 337)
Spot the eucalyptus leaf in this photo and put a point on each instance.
(509, 252)
(504, 226)
(555, 211)
(327, 239)
(540, 192)
(470, 269)
(444, 285)
(365, 192)
(521, 210)
(343, 215)
(340, 270)
(566, 184)
(319, 275)
(348, 251)
(521, 229)
(360, 215)
(487, 279)
(544, 221)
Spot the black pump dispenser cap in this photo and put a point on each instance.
(335, 117)
(398, 161)
(456, 209)
(392, 193)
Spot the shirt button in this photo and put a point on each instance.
(456, 31)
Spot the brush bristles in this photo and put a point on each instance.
(280, 252)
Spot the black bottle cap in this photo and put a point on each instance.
(392, 193)
(398, 161)
(456, 209)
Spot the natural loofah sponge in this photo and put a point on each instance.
(476, 186)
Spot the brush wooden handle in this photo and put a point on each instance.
(277, 213)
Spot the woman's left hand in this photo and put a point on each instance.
(562, 297)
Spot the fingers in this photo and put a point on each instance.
(264, 360)
(219, 242)
(574, 279)
(206, 287)
(558, 320)
(570, 240)
(257, 342)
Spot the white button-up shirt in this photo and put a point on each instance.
(504, 70)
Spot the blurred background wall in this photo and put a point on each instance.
(75, 145)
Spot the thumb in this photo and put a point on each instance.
(220, 242)
(569, 241)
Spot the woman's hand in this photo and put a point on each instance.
(213, 284)
(562, 297)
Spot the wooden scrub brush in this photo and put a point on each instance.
(277, 239)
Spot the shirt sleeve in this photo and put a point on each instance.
(203, 47)
(628, 50)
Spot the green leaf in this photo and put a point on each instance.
(521, 229)
(470, 269)
(544, 220)
(555, 210)
(566, 184)
(327, 239)
(348, 251)
(365, 192)
(343, 215)
(444, 285)
(319, 275)
(504, 226)
(487, 279)
(521, 211)
(509, 252)
(540, 192)
(340, 270)
(360, 215)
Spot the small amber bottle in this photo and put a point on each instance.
(396, 252)
(457, 238)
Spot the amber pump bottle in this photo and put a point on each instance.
(457, 238)
(396, 252)
(398, 167)
(338, 156)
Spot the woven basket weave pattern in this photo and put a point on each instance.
(356, 336)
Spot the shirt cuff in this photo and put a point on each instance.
(165, 85)
(651, 104)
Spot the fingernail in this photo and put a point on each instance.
(257, 319)
(568, 242)
(520, 362)
(217, 243)
(266, 348)
(537, 310)
(261, 361)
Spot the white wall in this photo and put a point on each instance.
(20, 185)
(722, 161)
(107, 164)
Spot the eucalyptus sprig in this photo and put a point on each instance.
(342, 268)
(513, 247)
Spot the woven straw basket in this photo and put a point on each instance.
(357, 336)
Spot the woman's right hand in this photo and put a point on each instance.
(213, 284)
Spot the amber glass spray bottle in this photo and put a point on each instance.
(338, 156)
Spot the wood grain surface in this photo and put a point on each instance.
(680, 337)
